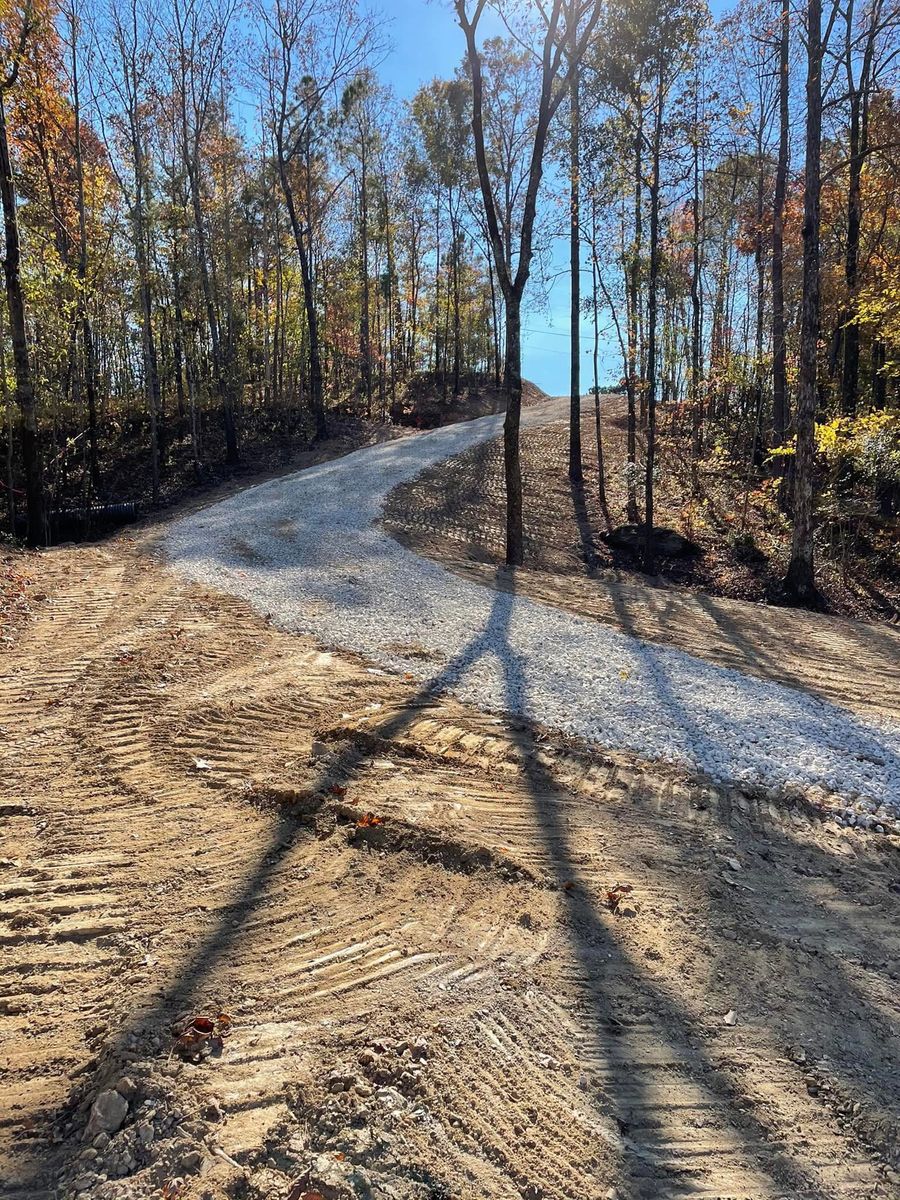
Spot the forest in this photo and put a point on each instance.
(222, 229)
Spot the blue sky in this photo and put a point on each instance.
(426, 42)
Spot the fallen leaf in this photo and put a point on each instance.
(616, 894)
(368, 821)
(202, 1033)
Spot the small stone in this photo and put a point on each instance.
(191, 1161)
(126, 1087)
(145, 1133)
(82, 1182)
(108, 1112)
(213, 1111)
(101, 1141)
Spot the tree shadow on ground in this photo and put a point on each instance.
(647, 1157)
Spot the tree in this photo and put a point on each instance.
(800, 576)
(779, 346)
(567, 26)
(576, 473)
(16, 36)
(865, 56)
(198, 49)
(308, 53)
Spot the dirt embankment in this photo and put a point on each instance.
(409, 913)
(454, 512)
(742, 535)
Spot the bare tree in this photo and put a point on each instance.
(800, 577)
(779, 346)
(129, 72)
(198, 49)
(576, 472)
(560, 50)
(309, 51)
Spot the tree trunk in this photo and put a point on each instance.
(779, 348)
(316, 391)
(456, 234)
(148, 343)
(511, 463)
(495, 327)
(15, 300)
(879, 380)
(365, 345)
(87, 337)
(634, 302)
(850, 374)
(10, 427)
(800, 577)
(696, 308)
(576, 473)
(652, 368)
(598, 425)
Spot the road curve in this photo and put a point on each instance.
(306, 550)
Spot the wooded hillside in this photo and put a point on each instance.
(221, 228)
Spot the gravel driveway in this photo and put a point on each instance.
(305, 549)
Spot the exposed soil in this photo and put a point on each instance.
(409, 912)
(743, 550)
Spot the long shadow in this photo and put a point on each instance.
(217, 945)
(589, 553)
(766, 664)
(592, 942)
(647, 1156)
(858, 1004)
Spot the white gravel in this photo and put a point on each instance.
(304, 549)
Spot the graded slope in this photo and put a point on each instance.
(306, 550)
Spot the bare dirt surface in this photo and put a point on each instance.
(454, 513)
(743, 536)
(410, 913)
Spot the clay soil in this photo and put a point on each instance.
(742, 536)
(460, 958)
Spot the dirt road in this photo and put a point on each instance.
(438, 999)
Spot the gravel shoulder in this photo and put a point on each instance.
(306, 550)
